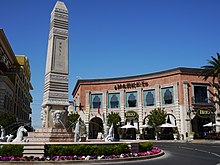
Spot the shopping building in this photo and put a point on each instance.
(15, 85)
(181, 92)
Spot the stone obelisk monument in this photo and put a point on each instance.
(55, 99)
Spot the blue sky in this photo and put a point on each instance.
(114, 38)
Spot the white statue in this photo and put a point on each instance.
(9, 137)
(110, 137)
(76, 131)
(2, 138)
(20, 136)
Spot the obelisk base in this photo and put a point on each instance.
(51, 135)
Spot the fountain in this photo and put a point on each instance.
(76, 131)
(20, 136)
(110, 136)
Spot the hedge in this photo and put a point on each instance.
(145, 146)
(11, 150)
(82, 149)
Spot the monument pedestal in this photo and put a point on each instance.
(51, 135)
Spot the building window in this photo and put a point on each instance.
(167, 95)
(149, 97)
(96, 101)
(131, 99)
(113, 100)
(200, 94)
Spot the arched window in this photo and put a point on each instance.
(114, 101)
(168, 97)
(96, 102)
(132, 100)
(150, 99)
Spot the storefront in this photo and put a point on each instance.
(178, 91)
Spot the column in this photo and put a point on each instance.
(140, 106)
(122, 105)
(87, 112)
(158, 96)
(176, 105)
(186, 121)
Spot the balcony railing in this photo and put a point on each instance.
(202, 101)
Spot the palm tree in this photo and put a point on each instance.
(113, 118)
(157, 117)
(212, 70)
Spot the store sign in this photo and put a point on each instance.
(204, 113)
(131, 115)
(131, 85)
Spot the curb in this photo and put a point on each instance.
(84, 161)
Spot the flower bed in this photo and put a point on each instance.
(153, 151)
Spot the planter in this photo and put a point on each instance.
(175, 136)
(191, 136)
(156, 137)
(137, 136)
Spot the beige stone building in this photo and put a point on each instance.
(181, 92)
(15, 85)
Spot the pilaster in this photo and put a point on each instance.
(186, 123)
(140, 106)
(158, 96)
(122, 105)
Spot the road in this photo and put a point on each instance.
(181, 154)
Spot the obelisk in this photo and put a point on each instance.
(55, 99)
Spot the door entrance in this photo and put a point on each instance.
(197, 126)
(95, 126)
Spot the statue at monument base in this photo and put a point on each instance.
(53, 129)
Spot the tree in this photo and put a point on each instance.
(157, 117)
(212, 70)
(71, 119)
(7, 119)
(113, 118)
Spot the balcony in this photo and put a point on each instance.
(202, 101)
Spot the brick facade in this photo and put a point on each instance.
(184, 84)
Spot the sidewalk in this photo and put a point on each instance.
(204, 141)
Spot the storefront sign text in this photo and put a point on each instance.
(204, 113)
(131, 115)
(131, 85)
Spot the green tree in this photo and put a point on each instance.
(71, 119)
(157, 117)
(212, 70)
(113, 118)
(7, 119)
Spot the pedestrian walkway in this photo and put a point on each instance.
(189, 141)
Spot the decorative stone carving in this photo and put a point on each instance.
(58, 118)
(43, 118)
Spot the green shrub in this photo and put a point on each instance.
(82, 150)
(145, 146)
(11, 150)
